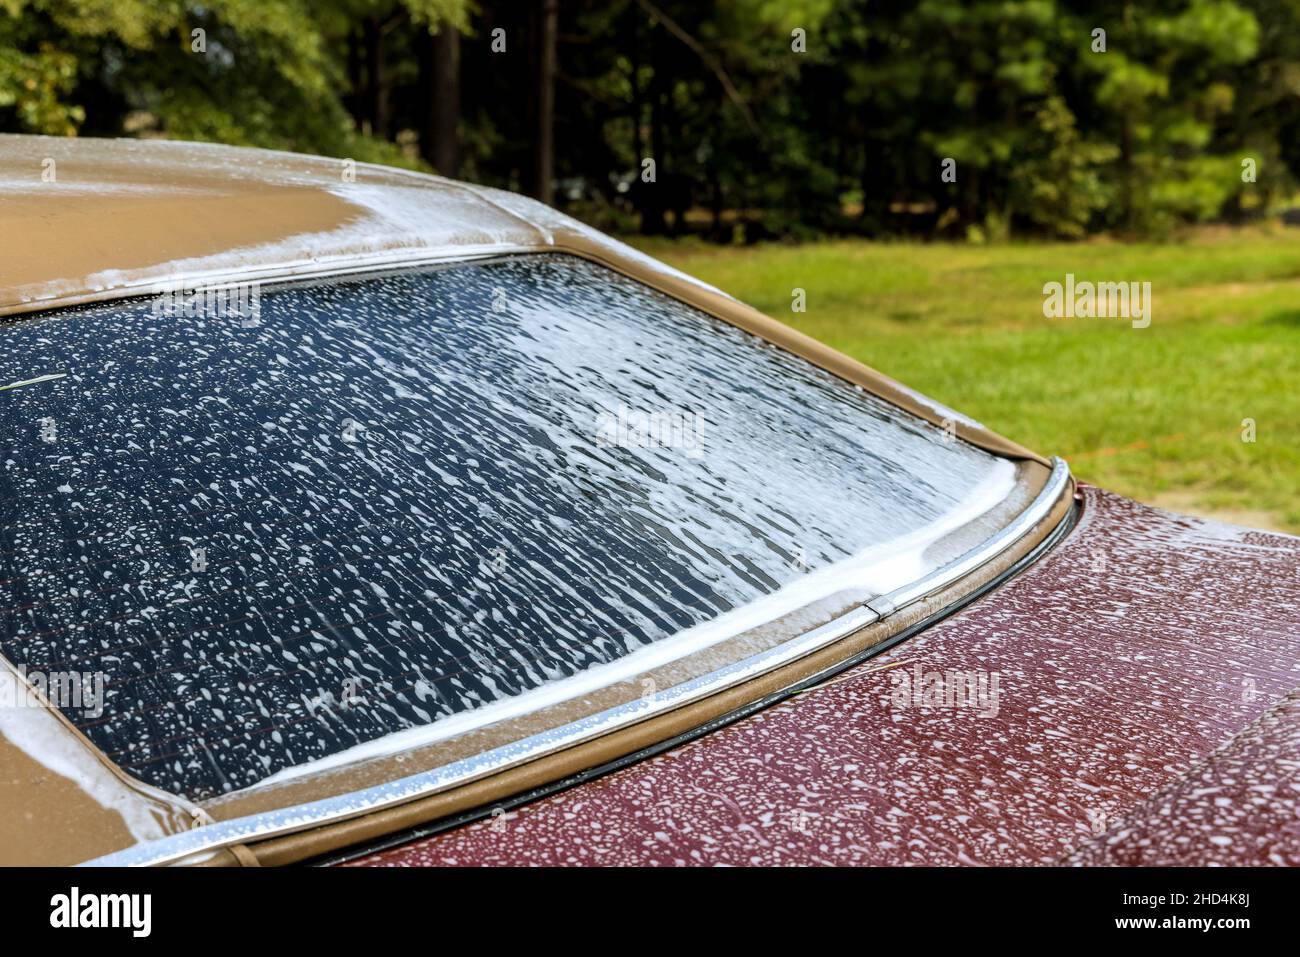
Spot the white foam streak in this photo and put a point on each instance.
(873, 571)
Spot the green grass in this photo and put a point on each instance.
(1152, 413)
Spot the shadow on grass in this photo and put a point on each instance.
(1284, 317)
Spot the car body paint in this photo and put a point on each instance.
(1126, 659)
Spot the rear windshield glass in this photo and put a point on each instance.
(291, 525)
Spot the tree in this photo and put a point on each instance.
(772, 118)
(440, 130)
(237, 71)
(544, 130)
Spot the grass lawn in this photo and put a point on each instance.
(1152, 413)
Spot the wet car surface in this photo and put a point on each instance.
(1122, 730)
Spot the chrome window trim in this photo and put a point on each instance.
(194, 844)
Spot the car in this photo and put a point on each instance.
(353, 515)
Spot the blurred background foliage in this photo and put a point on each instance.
(751, 139)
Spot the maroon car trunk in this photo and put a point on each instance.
(1130, 698)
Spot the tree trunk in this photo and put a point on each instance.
(1126, 150)
(376, 94)
(652, 200)
(633, 45)
(544, 134)
(440, 75)
(715, 204)
(634, 79)
(356, 101)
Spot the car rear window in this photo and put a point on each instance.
(366, 505)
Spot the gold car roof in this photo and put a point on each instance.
(88, 220)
